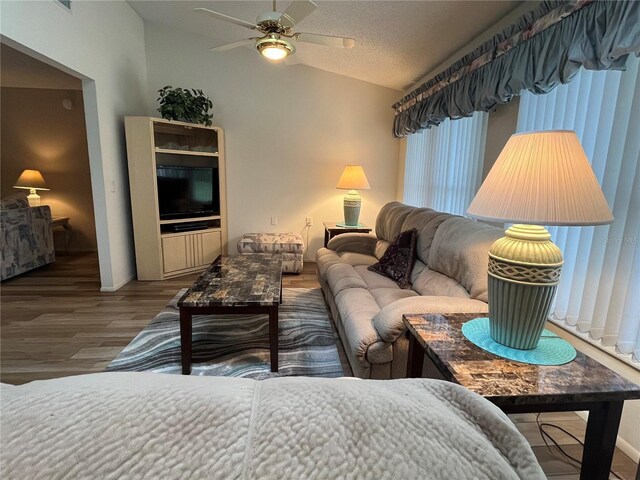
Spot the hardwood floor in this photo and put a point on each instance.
(54, 322)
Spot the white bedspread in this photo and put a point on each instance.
(154, 426)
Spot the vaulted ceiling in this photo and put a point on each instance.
(397, 42)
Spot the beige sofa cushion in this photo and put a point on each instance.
(385, 296)
(353, 258)
(388, 322)
(342, 276)
(357, 308)
(430, 282)
(381, 248)
(353, 242)
(390, 220)
(460, 250)
(325, 258)
(375, 280)
(426, 221)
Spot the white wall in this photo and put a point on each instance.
(103, 43)
(290, 130)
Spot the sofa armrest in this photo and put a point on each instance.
(27, 239)
(364, 243)
(388, 322)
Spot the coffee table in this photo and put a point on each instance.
(240, 285)
(515, 387)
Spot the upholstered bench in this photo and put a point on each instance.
(290, 245)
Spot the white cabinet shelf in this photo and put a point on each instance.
(187, 220)
(164, 254)
(186, 152)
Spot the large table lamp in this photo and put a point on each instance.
(31, 180)
(352, 179)
(540, 178)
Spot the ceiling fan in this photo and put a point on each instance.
(277, 37)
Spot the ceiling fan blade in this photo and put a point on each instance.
(226, 18)
(328, 40)
(296, 11)
(228, 46)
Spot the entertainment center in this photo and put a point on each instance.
(178, 195)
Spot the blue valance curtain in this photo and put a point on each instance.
(543, 49)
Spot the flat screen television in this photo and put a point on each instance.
(185, 192)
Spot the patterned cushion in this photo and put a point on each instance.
(290, 245)
(13, 202)
(271, 243)
(292, 262)
(397, 261)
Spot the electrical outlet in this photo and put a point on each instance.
(309, 221)
(274, 220)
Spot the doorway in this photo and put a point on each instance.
(43, 128)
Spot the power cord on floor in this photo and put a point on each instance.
(566, 458)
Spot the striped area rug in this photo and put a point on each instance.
(238, 345)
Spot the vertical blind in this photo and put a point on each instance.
(599, 291)
(443, 166)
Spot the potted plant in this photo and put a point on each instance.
(186, 105)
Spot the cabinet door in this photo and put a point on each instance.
(210, 247)
(174, 254)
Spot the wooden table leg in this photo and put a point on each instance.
(600, 440)
(326, 237)
(415, 358)
(67, 236)
(185, 340)
(273, 337)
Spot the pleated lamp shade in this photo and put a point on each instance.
(542, 178)
(353, 178)
(30, 179)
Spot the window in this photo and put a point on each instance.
(443, 167)
(599, 291)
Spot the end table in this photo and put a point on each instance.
(331, 229)
(583, 384)
(64, 223)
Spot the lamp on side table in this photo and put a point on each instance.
(31, 180)
(540, 178)
(353, 178)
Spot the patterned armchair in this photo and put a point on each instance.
(26, 237)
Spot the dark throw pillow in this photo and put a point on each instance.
(397, 261)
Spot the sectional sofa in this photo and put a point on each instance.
(449, 275)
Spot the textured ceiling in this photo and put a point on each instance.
(397, 42)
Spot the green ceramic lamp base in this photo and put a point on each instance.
(524, 270)
(352, 204)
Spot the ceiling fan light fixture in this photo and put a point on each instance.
(274, 48)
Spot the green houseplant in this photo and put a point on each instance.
(185, 105)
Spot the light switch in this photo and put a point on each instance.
(274, 220)
(113, 185)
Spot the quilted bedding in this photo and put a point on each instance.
(154, 426)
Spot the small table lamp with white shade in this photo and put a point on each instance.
(540, 178)
(31, 180)
(353, 178)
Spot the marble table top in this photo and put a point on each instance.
(507, 382)
(241, 280)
